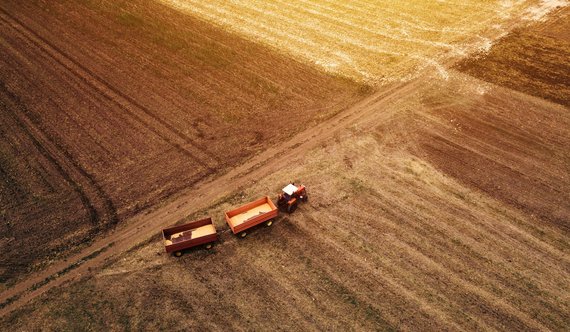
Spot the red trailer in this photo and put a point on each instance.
(200, 232)
(251, 214)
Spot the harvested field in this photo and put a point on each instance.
(540, 68)
(369, 41)
(120, 105)
(439, 203)
(391, 238)
(504, 144)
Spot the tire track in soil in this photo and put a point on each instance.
(201, 193)
(365, 114)
(409, 246)
(98, 98)
(114, 95)
(43, 143)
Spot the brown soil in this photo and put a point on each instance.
(533, 60)
(120, 105)
(437, 204)
(503, 144)
(387, 241)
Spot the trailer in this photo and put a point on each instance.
(260, 211)
(195, 233)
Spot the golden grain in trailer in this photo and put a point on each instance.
(250, 215)
(193, 234)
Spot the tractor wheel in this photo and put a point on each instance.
(178, 253)
(292, 208)
(209, 246)
(242, 234)
(269, 223)
(305, 198)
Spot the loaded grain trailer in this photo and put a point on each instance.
(260, 211)
(195, 233)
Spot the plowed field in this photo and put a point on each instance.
(540, 68)
(423, 219)
(108, 108)
(438, 203)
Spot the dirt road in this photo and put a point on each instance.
(385, 235)
(366, 113)
(86, 99)
(484, 308)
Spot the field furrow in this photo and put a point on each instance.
(432, 137)
(98, 98)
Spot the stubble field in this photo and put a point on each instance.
(394, 236)
(374, 42)
(109, 108)
(437, 204)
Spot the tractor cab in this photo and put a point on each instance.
(290, 196)
(289, 191)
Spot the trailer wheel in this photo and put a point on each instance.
(242, 234)
(209, 246)
(269, 223)
(178, 253)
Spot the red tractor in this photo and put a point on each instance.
(290, 197)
